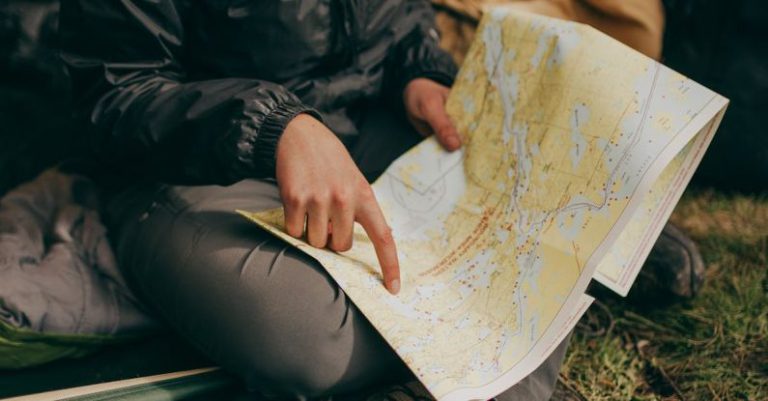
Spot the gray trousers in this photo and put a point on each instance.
(262, 310)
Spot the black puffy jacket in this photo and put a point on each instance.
(199, 91)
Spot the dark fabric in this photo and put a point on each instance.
(58, 270)
(35, 127)
(722, 46)
(198, 92)
(261, 309)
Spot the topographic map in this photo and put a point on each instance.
(576, 150)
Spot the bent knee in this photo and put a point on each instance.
(305, 336)
(315, 374)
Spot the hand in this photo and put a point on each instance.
(425, 106)
(319, 181)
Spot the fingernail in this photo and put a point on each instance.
(394, 286)
(453, 142)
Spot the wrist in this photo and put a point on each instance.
(298, 134)
(272, 129)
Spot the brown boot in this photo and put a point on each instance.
(674, 269)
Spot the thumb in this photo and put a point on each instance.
(438, 119)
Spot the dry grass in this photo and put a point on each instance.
(714, 347)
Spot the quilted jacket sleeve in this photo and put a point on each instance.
(417, 54)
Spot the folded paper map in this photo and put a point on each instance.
(576, 150)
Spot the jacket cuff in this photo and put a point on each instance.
(422, 57)
(265, 149)
(437, 66)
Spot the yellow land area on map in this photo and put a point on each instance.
(566, 131)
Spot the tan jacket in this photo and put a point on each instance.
(637, 23)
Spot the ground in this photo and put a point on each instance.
(714, 347)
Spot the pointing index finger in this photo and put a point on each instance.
(371, 218)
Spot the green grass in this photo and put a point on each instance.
(714, 347)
